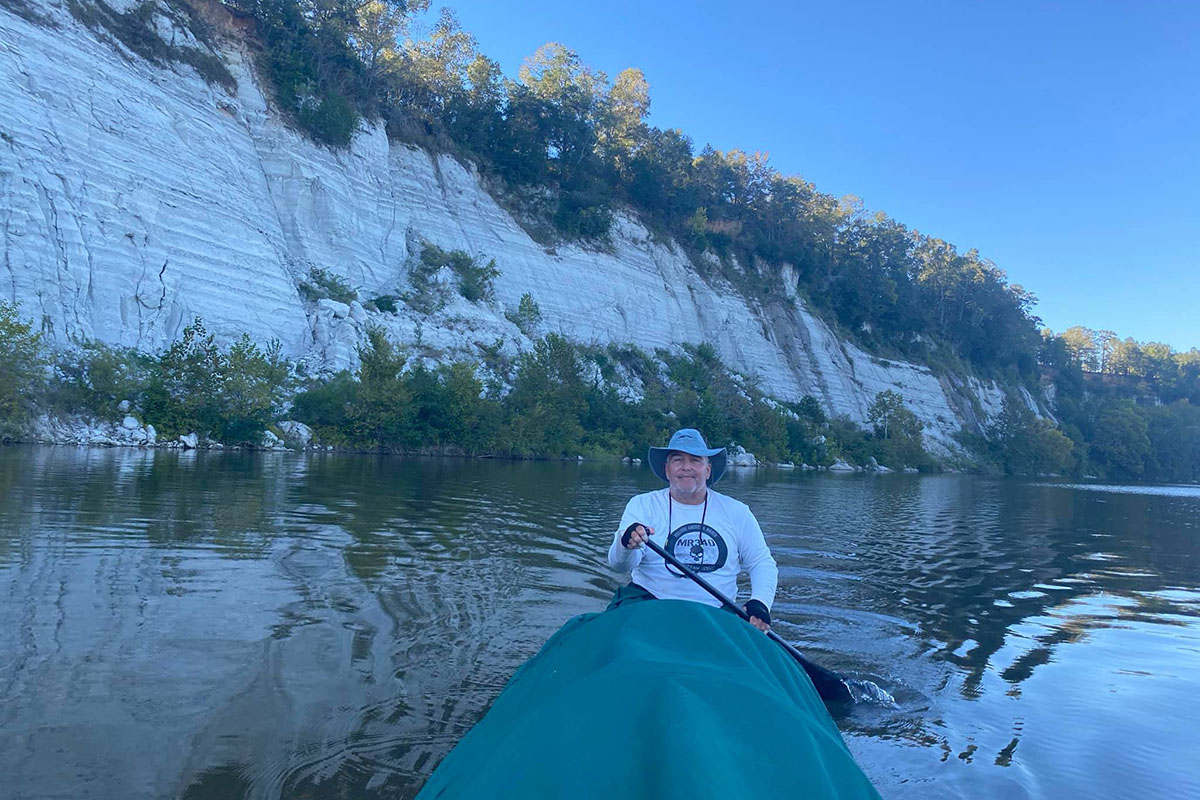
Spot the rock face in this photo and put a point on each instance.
(75, 430)
(135, 197)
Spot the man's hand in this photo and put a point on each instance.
(635, 536)
(760, 617)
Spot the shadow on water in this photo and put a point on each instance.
(278, 625)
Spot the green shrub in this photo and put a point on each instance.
(526, 316)
(228, 394)
(474, 276)
(325, 406)
(329, 119)
(323, 284)
(475, 279)
(135, 29)
(1024, 444)
(317, 78)
(380, 415)
(22, 372)
(552, 410)
(542, 413)
(385, 303)
(583, 216)
(847, 441)
(93, 378)
(251, 393)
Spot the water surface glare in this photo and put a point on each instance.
(225, 625)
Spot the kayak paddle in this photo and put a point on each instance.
(831, 686)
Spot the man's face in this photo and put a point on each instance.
(687, 474)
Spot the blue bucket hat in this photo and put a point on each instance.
(687, 440)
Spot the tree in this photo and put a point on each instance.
(251, 394)
(547, 401)
(557, 74)
(1081, 344)
(623, 129)
(376, 39)
(1025, 444)
(1106, 342)
(884, 410)
(380, 415)
(1120, 443)
(1126, 358)
(21, 371)
(899, 428)
(436, 70)
(1174, 434)
(184, 391)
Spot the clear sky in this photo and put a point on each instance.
(1062, 140)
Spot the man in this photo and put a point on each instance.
(715, 535)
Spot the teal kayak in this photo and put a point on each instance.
(661, 699)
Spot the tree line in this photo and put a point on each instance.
(565, 146)
(1131, 409)
(557, 400)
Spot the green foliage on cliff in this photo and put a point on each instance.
(526, 316)
(137, 30)
(322, 283)
(474, 275)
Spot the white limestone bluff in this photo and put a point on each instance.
(135, 197)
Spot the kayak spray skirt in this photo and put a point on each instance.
(664, 699)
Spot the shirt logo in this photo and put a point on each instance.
(698, 546)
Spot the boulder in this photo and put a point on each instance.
(841, 466)
(743, 459)
(190, 441)
(296, 432)
(339, 310)
(130, 423)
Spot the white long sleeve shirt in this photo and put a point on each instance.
(716, 542)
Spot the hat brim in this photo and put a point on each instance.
(657, 458)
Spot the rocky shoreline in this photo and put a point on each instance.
(295, 436)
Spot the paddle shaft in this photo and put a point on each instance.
(828, 683)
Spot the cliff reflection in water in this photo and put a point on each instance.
(277, 625)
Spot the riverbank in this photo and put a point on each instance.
(293, 436)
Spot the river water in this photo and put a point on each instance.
(223, 625)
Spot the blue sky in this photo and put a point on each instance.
(1062, 140)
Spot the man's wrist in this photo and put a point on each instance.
(757, 608)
